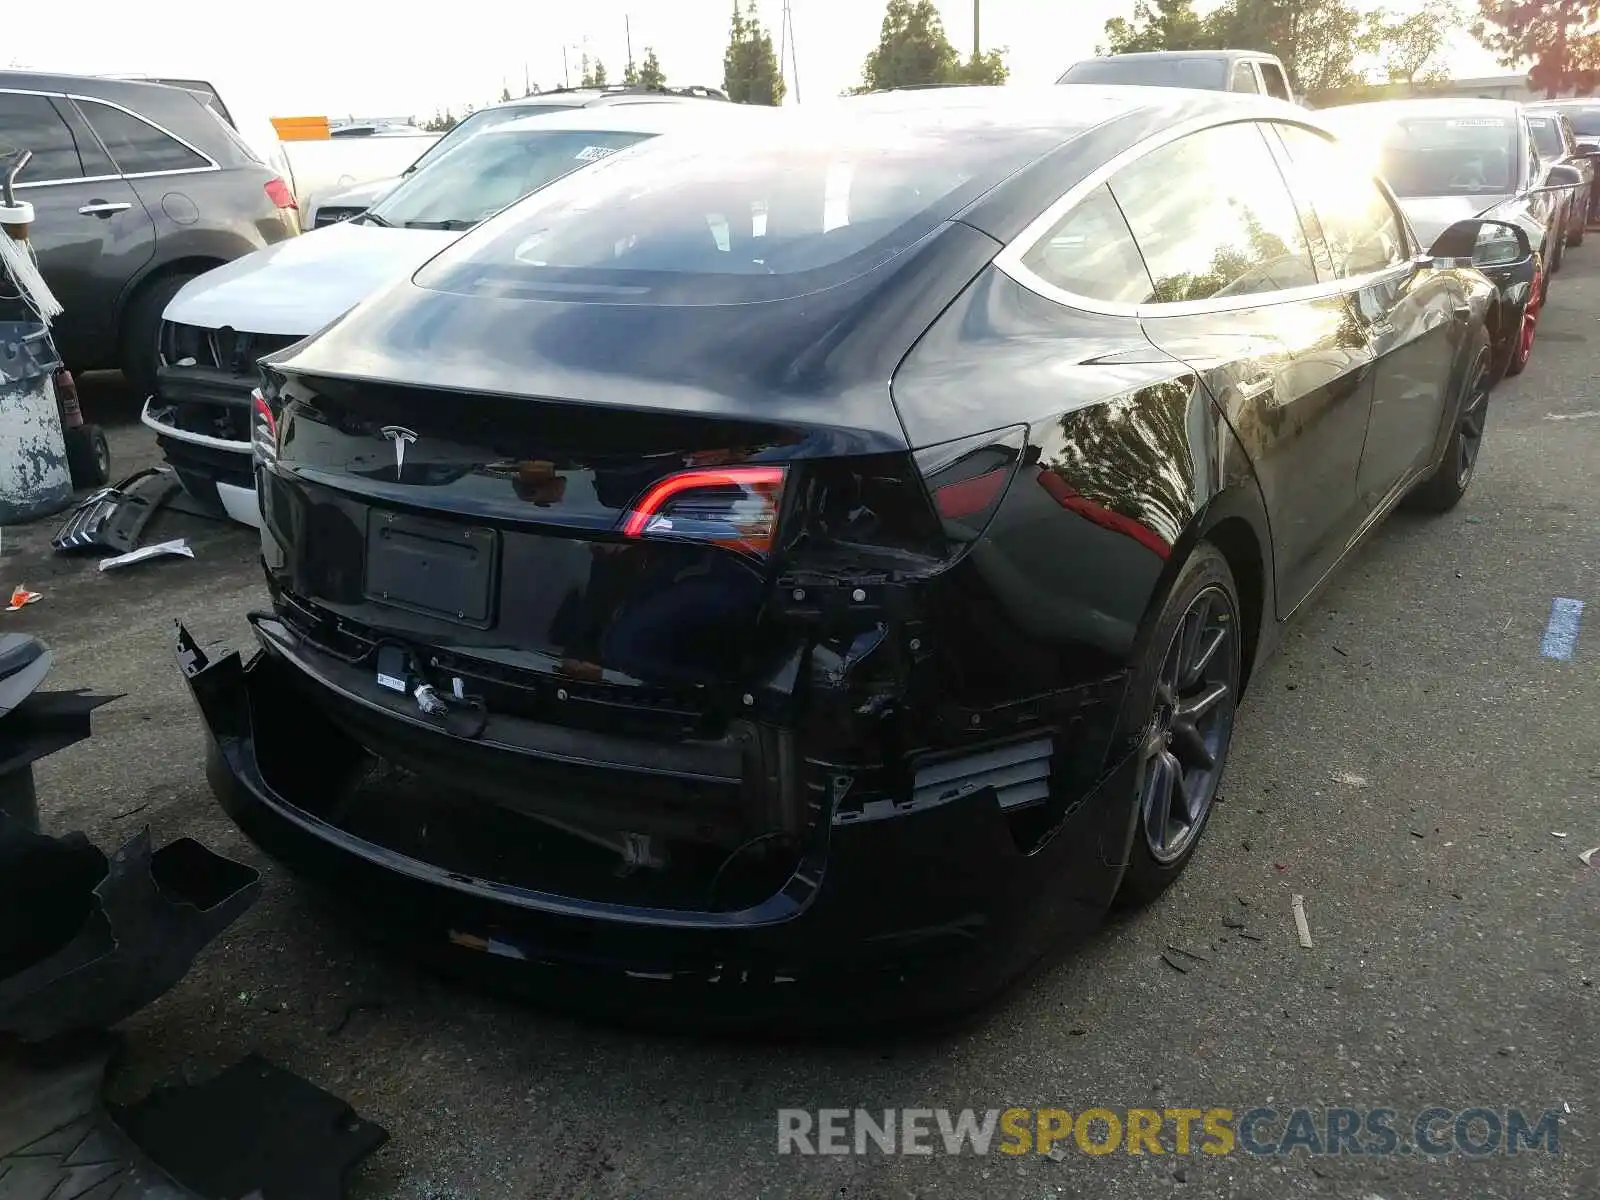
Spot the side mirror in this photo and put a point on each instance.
(1483, 243)
(1561, 175)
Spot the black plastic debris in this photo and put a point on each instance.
(114, 518)
(255, 1130)
(85, 942)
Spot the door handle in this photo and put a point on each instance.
(1258, 386)
(103, 208)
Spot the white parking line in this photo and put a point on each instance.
(1561, 633)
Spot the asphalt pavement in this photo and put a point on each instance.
(1414, 765)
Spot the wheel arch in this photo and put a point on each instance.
(194, 264)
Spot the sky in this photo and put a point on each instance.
(372, 59)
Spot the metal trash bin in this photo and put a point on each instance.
(35, 479)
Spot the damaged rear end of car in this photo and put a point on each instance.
(627, 630)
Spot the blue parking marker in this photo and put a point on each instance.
(1561, 634)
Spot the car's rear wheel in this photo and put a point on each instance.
(1522, 347)
(1558, 256)
(1187, 692)
(1443, 490)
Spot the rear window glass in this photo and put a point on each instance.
(1546, 136)
(780, 209)
(1585, 121)
(1447, 156)
(486, 118)
(1209, 74)
(484, 174)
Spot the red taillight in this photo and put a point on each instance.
(263, 428)
(280, 195)
(736, 507)
(970, 497)
(968, 478)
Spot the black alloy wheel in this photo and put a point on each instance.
(1443, 490)
(1192, 677)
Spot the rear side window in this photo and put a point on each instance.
(1213, 217)
(136, 146)
(754, 210)
(1547, 136)
(1244, 78)
(32, 123)
(1206, 74)
(1363, 232)
(1277, 85)
(1090, 252)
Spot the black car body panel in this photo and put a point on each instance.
(186, 196)
(875, 708)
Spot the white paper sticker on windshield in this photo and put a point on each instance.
(594, 153)
(1478, 123)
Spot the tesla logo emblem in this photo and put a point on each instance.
(401, 437)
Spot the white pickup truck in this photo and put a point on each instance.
(1206, 70)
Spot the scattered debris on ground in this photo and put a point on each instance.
(1298, 903)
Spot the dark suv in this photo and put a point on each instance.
(136, 188)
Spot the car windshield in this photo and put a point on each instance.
(1547, 136)
(1449, 156)
(484, 174)
(750, 215)
(1207, 74)
(479, 121)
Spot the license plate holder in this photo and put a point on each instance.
(434, 568)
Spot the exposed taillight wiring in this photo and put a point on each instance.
(734, 507)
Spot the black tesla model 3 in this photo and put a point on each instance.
(833, 555)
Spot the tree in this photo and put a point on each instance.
(1413, 46)
(594, 73)
(1559, 38)
(505, 94)
(440, 122)
(982, 70)
(650, 73)
(913, 50)
(1159, 25)
(750, 72)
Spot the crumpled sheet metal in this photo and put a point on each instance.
(85, 943)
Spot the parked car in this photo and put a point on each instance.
(340, 204)
(1211, 70)
(830, 551)
(1556, 144)
(1448, 159)
(1583, 117)
(137, 188)
(219, 324)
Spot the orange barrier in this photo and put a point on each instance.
(301, 129)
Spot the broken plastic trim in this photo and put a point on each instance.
(101, 939)
(114, 518)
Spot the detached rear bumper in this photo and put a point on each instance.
(934, 910)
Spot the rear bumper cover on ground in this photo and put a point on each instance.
(944, 889)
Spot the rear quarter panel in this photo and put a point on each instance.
(1129, 464)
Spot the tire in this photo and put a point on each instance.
(1154, 706)
(1575, 238)
(1451, 478)
(88, 457)
(1558, 256)
(139, 340)
(1528, 328)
